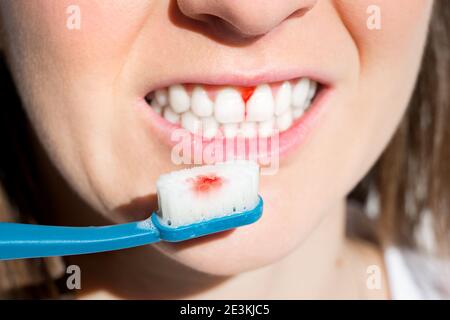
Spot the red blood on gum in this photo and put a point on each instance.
(246, 93)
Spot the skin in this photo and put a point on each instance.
(79, 89)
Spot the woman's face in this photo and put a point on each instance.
(83, 73)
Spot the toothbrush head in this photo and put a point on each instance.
(207, 199)
(206, 227)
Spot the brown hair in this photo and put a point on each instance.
(21, 199)
(413, 175)
(411, 180)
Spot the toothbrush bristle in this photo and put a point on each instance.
(206, 192)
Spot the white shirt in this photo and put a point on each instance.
(414, 276)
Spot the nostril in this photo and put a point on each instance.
(246, 19)
(226, 29)
(300, 12)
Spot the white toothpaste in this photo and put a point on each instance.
(206, 192)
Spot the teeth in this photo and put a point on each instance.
(283, 98)
(161, 97)
(230, 130)
(248, 129)
(202, 106)
(297, 113)
(312, 90)
(300, 93)
(157, 108)
(210, 127)
(265, 128)
(171, 115)
(260, 106)
(229, 106)
(262, 114)
(190, 122)
(284, 121)
(178, 98)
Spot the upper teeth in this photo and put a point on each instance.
(260, 106)
(263, 112)
(201, 104)
(229, 106)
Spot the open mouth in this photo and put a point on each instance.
(257, 122)
(229, 111)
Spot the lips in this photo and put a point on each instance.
(284, 110)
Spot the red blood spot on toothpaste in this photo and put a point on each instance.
(205, 183)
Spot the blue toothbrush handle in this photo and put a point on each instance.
(19, 241)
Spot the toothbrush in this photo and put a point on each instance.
(192, 203)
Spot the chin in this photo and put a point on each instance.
(243, 249)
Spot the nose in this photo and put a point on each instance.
(248, 18)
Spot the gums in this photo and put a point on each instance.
(246, 94)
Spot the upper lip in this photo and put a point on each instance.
(243, 78)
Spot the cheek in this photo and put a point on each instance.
(402, 27)
(389, 60)
(74, 109)
(78, 66)
(99, 47)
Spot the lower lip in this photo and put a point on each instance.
(289, 140)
